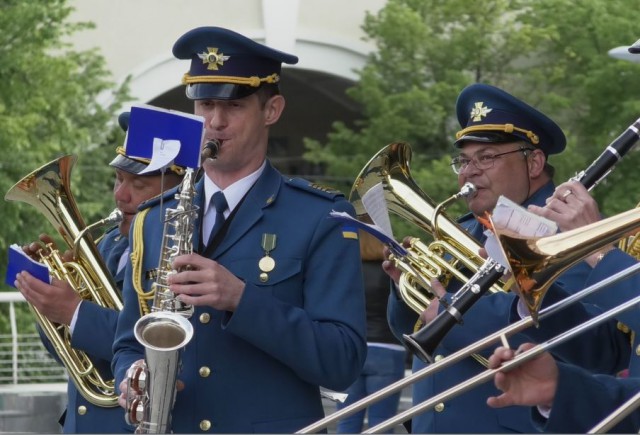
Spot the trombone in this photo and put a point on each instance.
(461, 354)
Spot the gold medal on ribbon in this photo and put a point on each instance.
(267, 263)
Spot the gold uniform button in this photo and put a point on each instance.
(204, 371)
(438, 358)
(439, 407)
(205, 425)
(638, 350)
(82, 410)
(205, 317)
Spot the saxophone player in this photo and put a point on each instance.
(93, 326)
(277, 289)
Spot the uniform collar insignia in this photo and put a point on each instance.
(479, 111)
(213, 58)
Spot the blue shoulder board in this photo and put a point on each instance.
(323, 191)
(466, 217)
(112, 235)
(167, 195)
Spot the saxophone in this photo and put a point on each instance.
(166, 330)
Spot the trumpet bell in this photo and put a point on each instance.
(537, 262)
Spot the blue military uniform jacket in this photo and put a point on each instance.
(599, 395)
(468, 412)
(93, 334)
(259, 368)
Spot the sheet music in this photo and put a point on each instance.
(376, 206)
(513, 218)
(19, 261)
(163, 155)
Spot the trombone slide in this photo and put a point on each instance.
(508, 365)
(461, 354)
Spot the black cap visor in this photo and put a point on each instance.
(219, 91)
(488, 137)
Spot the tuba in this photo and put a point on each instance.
(452, 248)
(48, 190)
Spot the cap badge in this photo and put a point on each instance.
(479, 111)
(213, 58)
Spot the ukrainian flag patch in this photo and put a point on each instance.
(350, 232)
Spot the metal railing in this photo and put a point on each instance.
(23, 357)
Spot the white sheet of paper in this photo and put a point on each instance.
(507, 215)
(511, 217)
(164, 153)
(376, 206)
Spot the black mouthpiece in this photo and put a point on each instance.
(210, 150)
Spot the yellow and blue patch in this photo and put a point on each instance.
(349, 232)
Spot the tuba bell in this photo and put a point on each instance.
(452, 248)
(48, 190)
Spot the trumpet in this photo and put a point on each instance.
(533, 278)
(491, 340)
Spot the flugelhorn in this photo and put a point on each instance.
(491, 340)
(48, 190)
(533, 270)
(452, 249)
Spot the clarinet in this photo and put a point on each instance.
(424, 342)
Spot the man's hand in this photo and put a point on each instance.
(124, 385)
(432, 310)
(532, 383)
(56, 301)
(571, 206)
(389, 266)
(207, 283)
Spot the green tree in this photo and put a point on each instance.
(591, 95)
(550, 53)
(49, 106)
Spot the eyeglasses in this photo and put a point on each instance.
(482, 160)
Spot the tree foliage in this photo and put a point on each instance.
(550, 53)
(49, 106)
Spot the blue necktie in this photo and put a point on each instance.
(220, 205)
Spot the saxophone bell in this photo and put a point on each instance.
(151, 385)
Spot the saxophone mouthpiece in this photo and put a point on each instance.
(210, 150)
